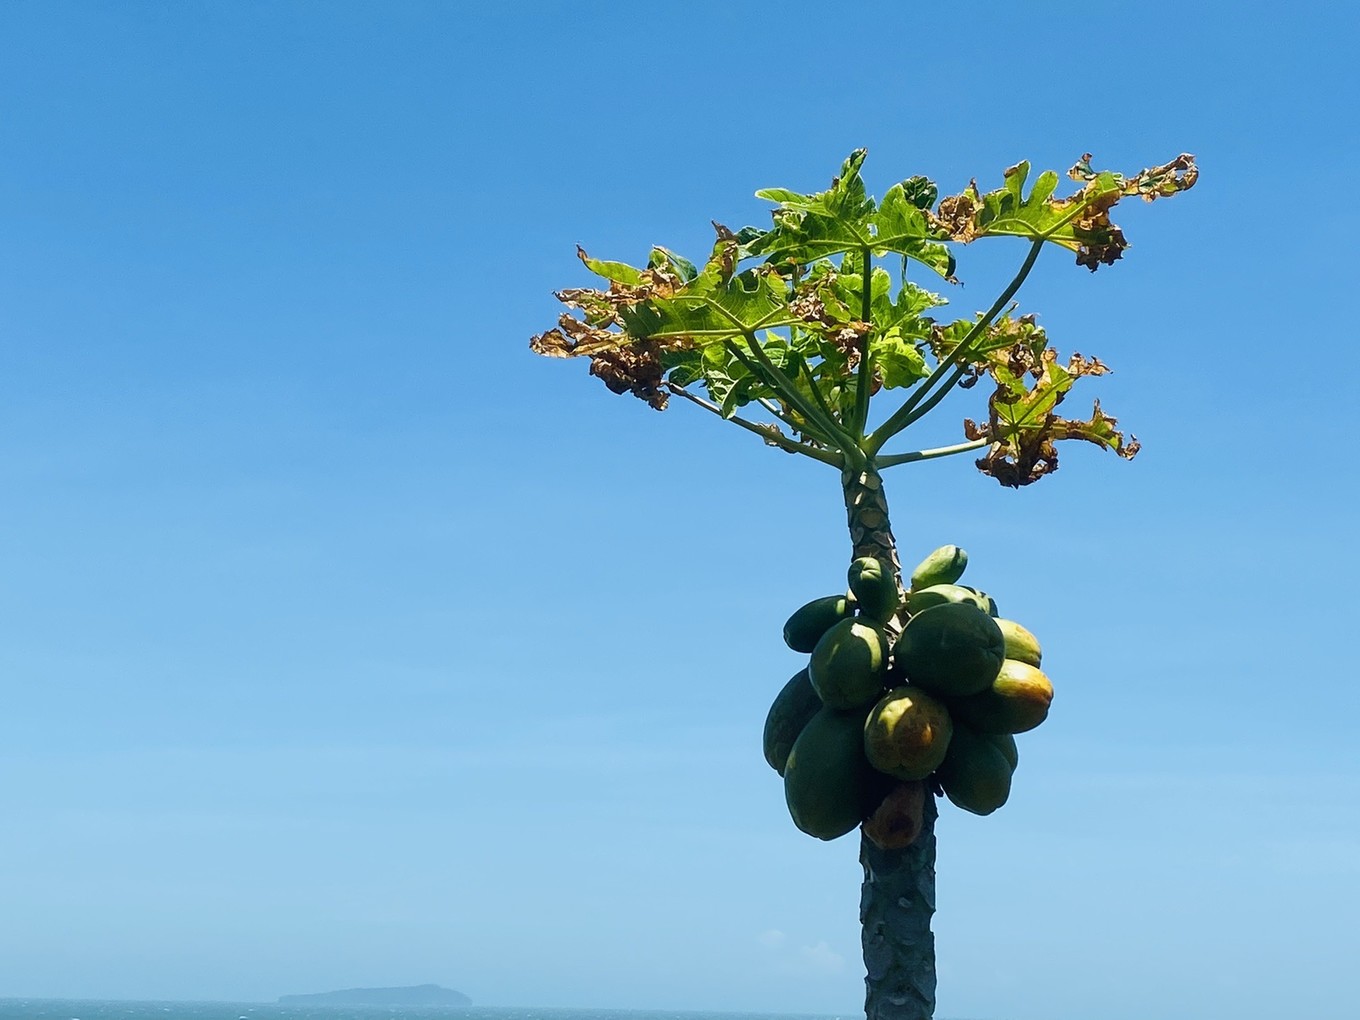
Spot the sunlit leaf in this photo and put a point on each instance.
(1080, 222)
(664, 257)
(897, 359)
(901, 226)
(1022, 426)
(906, 310)
(844, 219)
(617, 272)
(791, 331)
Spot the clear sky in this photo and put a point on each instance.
(344, 642)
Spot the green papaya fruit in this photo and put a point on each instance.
(944, 566)
(1005, 743)
(1016, 700)
(907, 733)
(985, 602)
(808, 623)
(1021, 645)
(943, 594)
(829, 785)
(874, 587)
(849, 663)
(953, 649)
(975, 774)
(793, 707)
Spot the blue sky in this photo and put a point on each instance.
(344, 642)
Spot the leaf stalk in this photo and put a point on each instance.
(908, 412)
(769, 434)
(864, 380)
(892, 460)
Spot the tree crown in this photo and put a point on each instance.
(803, 321)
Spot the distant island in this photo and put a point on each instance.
(412, 995)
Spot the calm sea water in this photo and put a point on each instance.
(96, 1009)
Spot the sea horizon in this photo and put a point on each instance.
(45, 1007)
(16, 1007)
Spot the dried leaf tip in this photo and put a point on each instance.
(1155, 182)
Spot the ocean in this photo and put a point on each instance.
(114, 1009)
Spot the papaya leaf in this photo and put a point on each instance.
(844, 219)
(920, 192)
(717, 304)
(664, 257)
(636, 369)
(1022, 426)
(808, 227)
(1080, 222)
(845, 199)
(906, 310)
(850, 285)
(574, 338)
(901, 226)
(1156, 182)
(1002, 335)
(683, 367)
(792, 332)
(727, 380)
(615, 272)
(897, 359)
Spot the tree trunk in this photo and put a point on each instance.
(897, 898)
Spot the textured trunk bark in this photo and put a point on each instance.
(897, 898)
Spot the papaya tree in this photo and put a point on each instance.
(796, 333)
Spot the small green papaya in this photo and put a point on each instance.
(849, 663)
(829, 785)
(985, 602)
(1016, 701)
(942, 594)
(907, 733)
(808, 623)
(952, 650)
(1005, 743)
(793, 707)
(975, 774)
(1021, 645)
(944, 566)
(875, 588)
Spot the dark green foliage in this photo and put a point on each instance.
(798, 322)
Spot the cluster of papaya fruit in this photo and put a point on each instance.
(901, 693)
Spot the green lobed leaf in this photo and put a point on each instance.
(617, 272)
(898, 359)
(1023, 426)
(907, 310)
(677, 321)
(1080, 222)
(665, 258)
(844, 219)
(903, 227)
(1004, 333)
